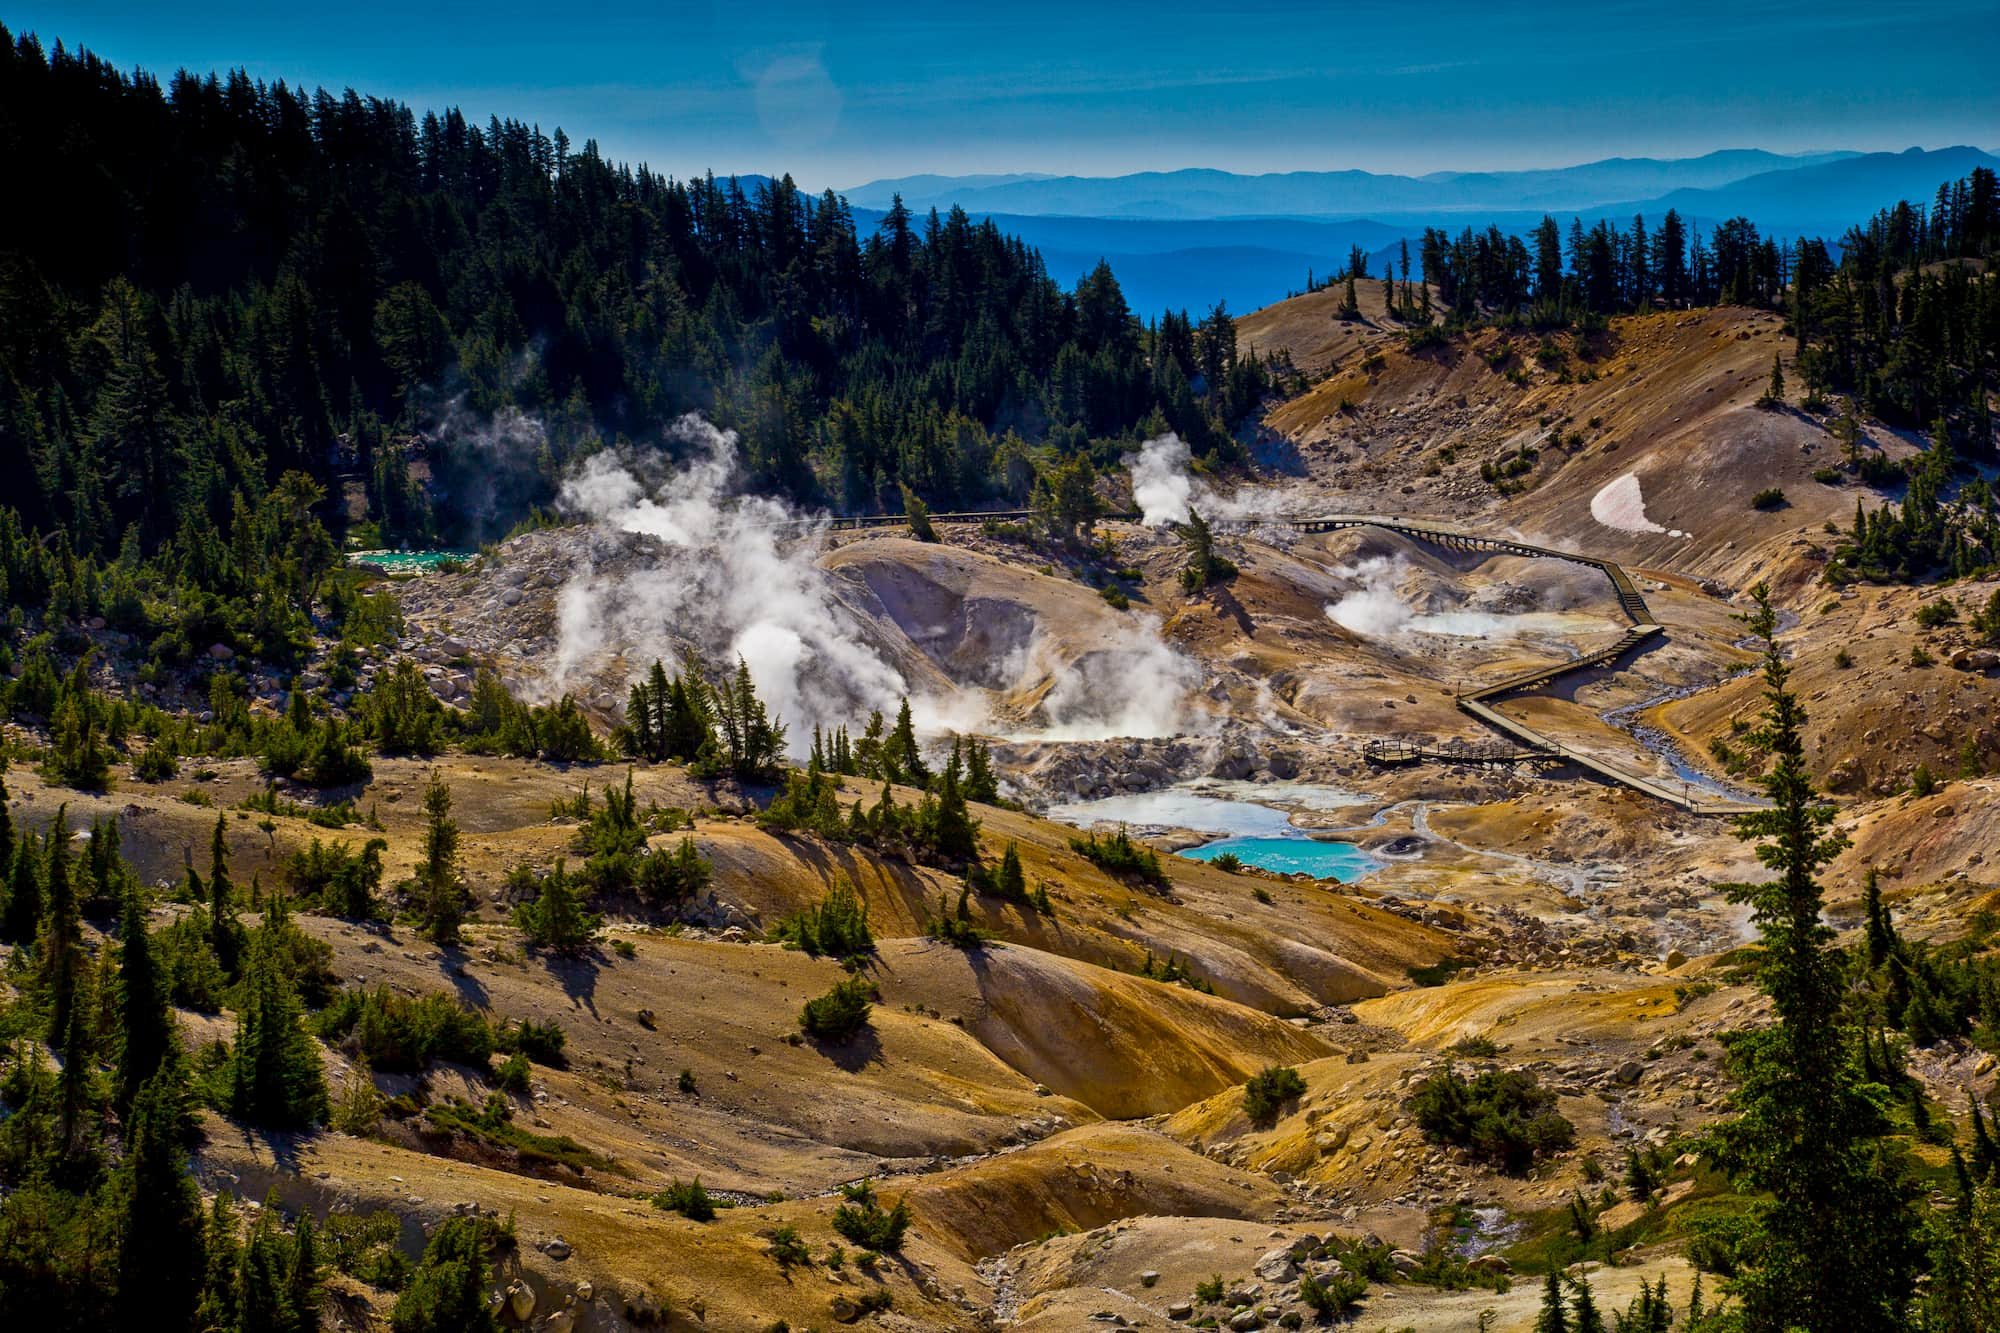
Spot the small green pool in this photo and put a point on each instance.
(406, 562)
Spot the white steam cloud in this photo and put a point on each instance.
(1375, 610)
(1165, 488)
(739, 577)
(739, 581)
(1129, 684)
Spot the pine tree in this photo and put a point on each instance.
(447, 1293)
(1583, 1306)
(980, 783)
(23, 917)
(1010, 883)
(902, 756)
(145, 1021)
(59, 947)
(1882, 940)
(225, 933)
(1774, 393)
(1985, 1157)
(440, 895)
(1832, 1250)
(162, 1250)
(221, 1303)
(276, 1080)
(1554, 1316)
(556, 920)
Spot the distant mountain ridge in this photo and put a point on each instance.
(1208, 193)
(1189, 262)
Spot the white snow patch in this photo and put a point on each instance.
(1622, 505)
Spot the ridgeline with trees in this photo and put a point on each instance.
(240, 310)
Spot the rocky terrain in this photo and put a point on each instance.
(1068, 1128)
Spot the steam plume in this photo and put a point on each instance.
(1164, 487)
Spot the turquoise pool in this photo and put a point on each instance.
(407, 562)
(1322, 860)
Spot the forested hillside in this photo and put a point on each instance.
(221, 281)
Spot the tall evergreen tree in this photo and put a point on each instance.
(162, 1250)
(146, 1023)
(275, 1077)
(441, 896)
(1832, 1249)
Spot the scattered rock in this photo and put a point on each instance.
(1276, 1266)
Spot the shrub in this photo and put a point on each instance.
(1502, 1117)
(541, 1042)
(1332, 1296)
(365, 1247)
(1919, 658)
(156, 764)
(1923, 782)
(788, 1249)
(512, 1075)
(447, 1293)
(840, 1013)
(401, 713)
(1771, 497)
(1827, 476)
(863, 1220)
(1937, 613)
(837, 927)
(1209, 1290)
(1269, 1090)
(1119, 855)
(338, 880)
(688, 1199)
(674, 876)
(399, 1034)
(1229, 863)
(1476, 1047)
(1842, 658)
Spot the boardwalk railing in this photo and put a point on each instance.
(1478, 703)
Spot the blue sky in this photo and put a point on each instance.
(839, 93)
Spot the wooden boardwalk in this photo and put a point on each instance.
(1479, 703)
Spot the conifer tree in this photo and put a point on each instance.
(1881, 928)
(221, 1305)
(225, 933)
(902, 757)
(1554, 1316)
(556, 920)
(1832, 1249)
(980, 783)
(146, 1023)
(162, 1249)
(447, 1293)
(59, 947)
(1010, 883)
(276, 1080)
(23, 916)
(440, 895)
(1584, 1316)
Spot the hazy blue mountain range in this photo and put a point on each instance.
(1191, 261)
(1205, 193)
